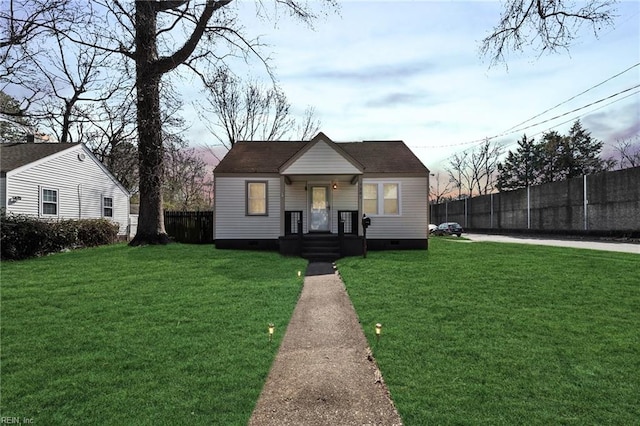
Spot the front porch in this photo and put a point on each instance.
(321, 246)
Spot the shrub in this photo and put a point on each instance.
(23, 236)
(96, 232)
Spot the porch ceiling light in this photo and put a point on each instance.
(335, 185)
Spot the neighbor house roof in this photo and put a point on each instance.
(268, 157)
(14, 155)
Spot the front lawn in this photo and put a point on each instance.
(144, 335)
(503, 334)
(473, 333)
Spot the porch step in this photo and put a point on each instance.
(321, 247)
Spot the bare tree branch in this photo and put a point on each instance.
(547, 25)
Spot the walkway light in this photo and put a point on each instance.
(378, 330)
(271, 329)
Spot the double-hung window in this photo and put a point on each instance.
(381, 199)
(107, 206)
(49, 202)
(256, 200)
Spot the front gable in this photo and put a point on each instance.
(321, 156)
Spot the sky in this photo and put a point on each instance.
(412, 70)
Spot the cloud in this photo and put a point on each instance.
(395, 99)
(375, 73)
(613, 124)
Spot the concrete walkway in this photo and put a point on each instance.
(323, 373)
(558, 242)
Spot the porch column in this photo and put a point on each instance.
(282, 204)
(360, 230)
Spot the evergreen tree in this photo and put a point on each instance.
(552, 157)
(14, 126)
(583, 152)
(519, 169)
(569, 156)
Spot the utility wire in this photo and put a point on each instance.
(509, 132)
(572, 111)
(573, 97)
(509, 143)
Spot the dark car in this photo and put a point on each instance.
(449, 228)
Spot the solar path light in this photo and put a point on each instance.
(271, 330)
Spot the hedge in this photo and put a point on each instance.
(23, 236)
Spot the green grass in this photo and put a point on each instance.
(473, 333)
(489, 333)
(146, 335)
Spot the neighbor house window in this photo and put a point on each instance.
(107, 206)
(257, 198)
(381, 198)
(49, 202)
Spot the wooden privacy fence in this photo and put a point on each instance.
(189, 227)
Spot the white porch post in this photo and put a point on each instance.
(360, 230)
(282, 204)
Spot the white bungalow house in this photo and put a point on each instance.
(309, 198)
(60, 181)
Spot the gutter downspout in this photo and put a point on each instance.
(79, 201)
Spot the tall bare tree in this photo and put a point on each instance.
(251, 111)
(628, 152)
(546, 25)
(185, 183)
(155, 37)
(309, 126)
(483, 162)
(460, 173)
(152, 20)
(439, 191)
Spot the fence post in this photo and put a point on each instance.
(528, 207)
(585, 202)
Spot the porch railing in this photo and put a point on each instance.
(293, 222)
(348, 222)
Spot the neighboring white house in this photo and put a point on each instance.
(60, 181)
(308, 198)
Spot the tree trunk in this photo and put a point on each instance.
(150, 149)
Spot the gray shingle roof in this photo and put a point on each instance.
(268, 157)
(14, 155)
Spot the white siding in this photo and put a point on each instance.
(295, 196)
(80, 185)
(231, 219)
(412, 222)
(345, 197)
(321, 159)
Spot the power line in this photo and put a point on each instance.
(573, 97)
(509, 132)
(506, 144)
(575, 110)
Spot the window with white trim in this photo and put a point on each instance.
(370, 198)
(381, 198)
(256, 200)
(107, 206)
(49, 202)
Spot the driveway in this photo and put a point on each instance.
(593, 245)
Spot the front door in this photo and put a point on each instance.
(319, 209)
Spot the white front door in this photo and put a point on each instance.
(319, 208)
